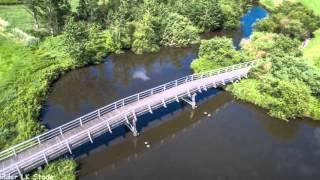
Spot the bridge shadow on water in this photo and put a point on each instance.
(144, 121)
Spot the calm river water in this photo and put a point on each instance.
(238, 140)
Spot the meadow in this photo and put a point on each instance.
(17, 16)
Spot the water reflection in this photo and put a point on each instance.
(122, 75)
(234, 143)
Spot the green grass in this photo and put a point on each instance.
(17, 16)
(268, 3)
(312, 51)
(25, 77)
(312, 4)
(61, 169)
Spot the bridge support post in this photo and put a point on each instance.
(191, 101)
(164, 103)
(214, 85)
(45, 158)
(150, 109)
(132, 126)
(89, 135)
(189, 93)
(177, 98)
(205, 87)
(69, 148)
(20, 173)
(108, 126)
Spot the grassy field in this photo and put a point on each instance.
(25, 77)
(312, 4)
(17, 16)
(312, 51)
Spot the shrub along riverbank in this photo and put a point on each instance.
(284, 82)
(311, 52)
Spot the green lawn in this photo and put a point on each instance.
(25, 77)
(312, 51)
(312, 4)
(17, 16)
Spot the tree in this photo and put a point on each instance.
(32, 7)
(52, 13)
(231, 13)
(144, 37)
(205, 14)
(264, 45)
(292, 98)
(88, 10)
(215, 53)
(291, 19)
(55, 13)
(179, 31)
(75, 38)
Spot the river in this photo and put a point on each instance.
(236, 141)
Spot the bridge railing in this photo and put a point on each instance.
(61, 130)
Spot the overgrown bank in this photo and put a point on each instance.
(285, 82)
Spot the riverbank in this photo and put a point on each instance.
(252, 89)
(310, 52)
(26, 75)
(282, 64)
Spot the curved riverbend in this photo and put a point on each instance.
(237, 141)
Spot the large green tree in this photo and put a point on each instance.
(217, 52)
(144, 37)
(51, 13)
(179, 31)
(75, 38)
(291, 19)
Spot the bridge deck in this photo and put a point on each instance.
(64, 143)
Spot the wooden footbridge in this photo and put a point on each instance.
(26, 156)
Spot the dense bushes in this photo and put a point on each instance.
(283, 83)
(209, 15)
(179, 31)
(264, 45)
(145, 38)
(291, 19)
(61, 169)
(141, 26)
(217, 52)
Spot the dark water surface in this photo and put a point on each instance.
(238, 140)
